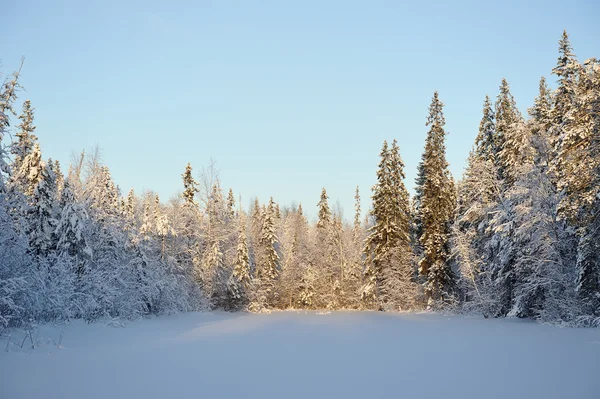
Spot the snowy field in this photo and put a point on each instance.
(306, 355)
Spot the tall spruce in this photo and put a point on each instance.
(508, 120)
(25, 135)
(190, 186)
(436, 209)
(238, 286)
(485, 143)
(388, 249)
(357, 225)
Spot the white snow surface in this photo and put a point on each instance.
(305, 355)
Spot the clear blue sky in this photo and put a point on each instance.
(286, 96)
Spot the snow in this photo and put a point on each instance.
(306, 355)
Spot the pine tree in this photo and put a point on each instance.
(70, 230)
(60, 177)
(324, 217)
(29, 173)
(129, 211)
(543, 284)
(541, 111)
(508, 137)
(230, 205)
(267, 267)
(436, 209)
(388, 250)
(8, 95)
(567, 70)
(42, 214)
(239, 282)
(576, 165)
(101, 195)
(301, 263)
(327, 266)
(357, 225)
(147, 223)
(398, 288)
(323, 259)
(540, 125)
(485, 143)
(26, 138)
(189, 186)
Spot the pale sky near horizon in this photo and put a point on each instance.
(286, 96)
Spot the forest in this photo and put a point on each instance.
(518, 235)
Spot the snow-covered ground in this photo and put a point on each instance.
(306, 355)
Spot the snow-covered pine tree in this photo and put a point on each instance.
(230, 205)
(300, 262)
(25, 135)
(509, 133)
(399, 290)
(485, 143)
(388, 251)
(478, 194)
(567, 70)
(70, 230)
(8, 95)
(544, 278)
(326, 267)
(42, 214)
(129, 213)
(255, 231)
(499, 244)
(215, 273)
(188, 249)
(267, 266)
(164, 230)
(377, 238)
(357, 226)
(14, 259)
(579, 160)
(147, 227)
(190, 186)
(28, 175)
(60, 177)
(436, 209)
(238, 286)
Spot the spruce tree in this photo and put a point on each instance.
(230, 205)
(579, 160)
(478, 194)
(268, 265)
(29, 173)
(302, 263)
(42, 214)
(375, 249)
(436, 209)
(189, 186)
(239, 282)
(326, 259)
(70, 230)
(508, 137)
(397, 286)
(8, 95)
(26, 138)
(129, 211)
(485, 143)
(60, 178)
(388, 251)
(567, 71)
(357, 226)
(324, 214)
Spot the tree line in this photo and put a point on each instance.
(517, 236)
